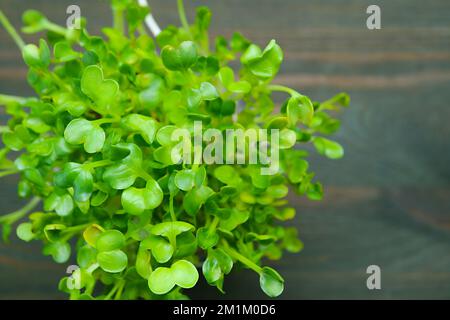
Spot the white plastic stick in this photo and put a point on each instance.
(149, 20)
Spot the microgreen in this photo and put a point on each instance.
(95, 146)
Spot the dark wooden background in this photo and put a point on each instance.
(387, 202)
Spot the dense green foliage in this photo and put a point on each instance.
(95, 147)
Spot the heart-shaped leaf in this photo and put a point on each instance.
(171, 229)
(180, 58)
(195, 198)
(185, 274)
(160, 248)
(135, 200)
(123, 174)
(82, 131)
(266, 64)
(103, 92)
(60, 251)
(143, 125)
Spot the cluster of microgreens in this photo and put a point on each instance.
(95, 148)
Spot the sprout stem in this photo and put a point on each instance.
(16, 215)
(56, 28)
(12, 32)
(4, 129)
(118, 20)
(182, 15)
(274, 87)
(213, 225)
(5, 99)
(8, 172)
(172, 211)
(236, 255)
(97, 164)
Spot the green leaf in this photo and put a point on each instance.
(195, 198)
(171, 229)
(180, 58)
(143, 266)
(206, 238)
(103, 92)
(135, 201)
(60, 251)
(271, 282)
(264, 65)
(153, 95)
(300, 108)
(227, 175)
(62, 204)
(160, 248)
(143, 125)
(64, 52)
(288, 138)
(34, 21)
(123, 174)
(92, 233)
(110, 240)
(236, 218)
(161, 280)
(184, 274)
(216, 266)
(24, 231)
(226, 76)
(112, 261)
(185, 179)
(206, 92)
(164, 135)
(328, 148)
(37, 57)
(82, 131)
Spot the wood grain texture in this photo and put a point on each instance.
(387, 202)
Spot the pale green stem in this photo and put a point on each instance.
(97, 164)
(4, 129)
(119, 291)
(236, 255)
(290, 91)
(182, 15)
(113, 290)
(5, 99)
(213, 225)
(105, 120)
(56, 28)
(16, 215)
(171, 209)
(12, 32)
(8, 172)
(71, 231)
(118, 20)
